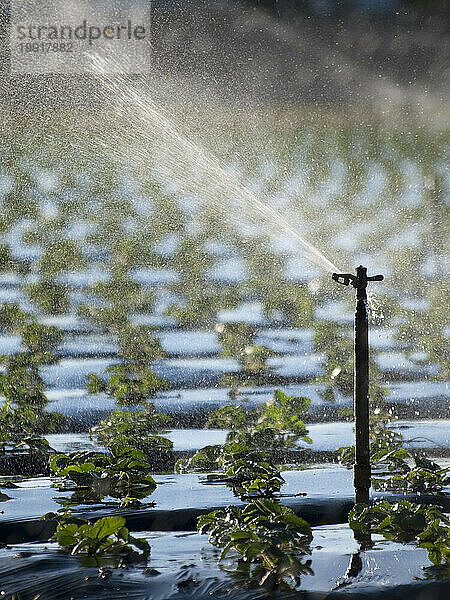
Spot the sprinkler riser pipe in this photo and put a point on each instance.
(361, 468)
(361, 400)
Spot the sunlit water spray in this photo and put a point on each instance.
(148, 140)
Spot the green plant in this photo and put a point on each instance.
(425, 330)
(122, 293)
(19, 202)
(408, 471)
(293, 300)
(21, 382)
(406, 522)
(199, 306)
(423, 477)
(127, 385)
(59, 256)
(335, 342)
(106, 538)
(204, 460)
(22, 416)
(269, 540)
(249, 473)
(110, 317)
(12, 317)
(7, 262)
(245, 460)
(198, 299)
(275, 425)
(132, 381)
(51, 297)
(21, 428)
(133, 428)
(382, 441)
(237, 340)
(138, 345)
(40, 339)
(122, 473)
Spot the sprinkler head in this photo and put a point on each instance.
(359, 280)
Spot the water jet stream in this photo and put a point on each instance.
(148, 134)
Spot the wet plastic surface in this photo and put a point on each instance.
(183, 566)
(180, 499)
(325, 437)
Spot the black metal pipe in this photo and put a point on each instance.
(361, 392)
(361, 467)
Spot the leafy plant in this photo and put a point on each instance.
(292, 300)
(273, 426)
(133, 428)
(269, 540)
(41, 339)
(25, 424)
(406, 522)
(409, 472)
(335, 342)
(21, 382)
(107, 537)
(121, 292)
(122, 473)
(245, 460)
(51, 297)
(204, 460)
(133, 381)
(237, 340)
(425, 330)
(197, 297)
(7, 261)
(59, 256)
(20, 428)
(199, 306)
(424, 477)
(138, 344)
(22, 418)
(12, 317)
(127, 385)
(249, 473)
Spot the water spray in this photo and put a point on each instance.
(361, 380)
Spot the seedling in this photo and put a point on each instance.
(237, 340)
(249, 473)
(269, 539)
(105, 541)
(132, 381)
(276, 425)
(198, 299)
(122, 473)
(22, 418)
(133, 429)
(405, 522)
(51, 297)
